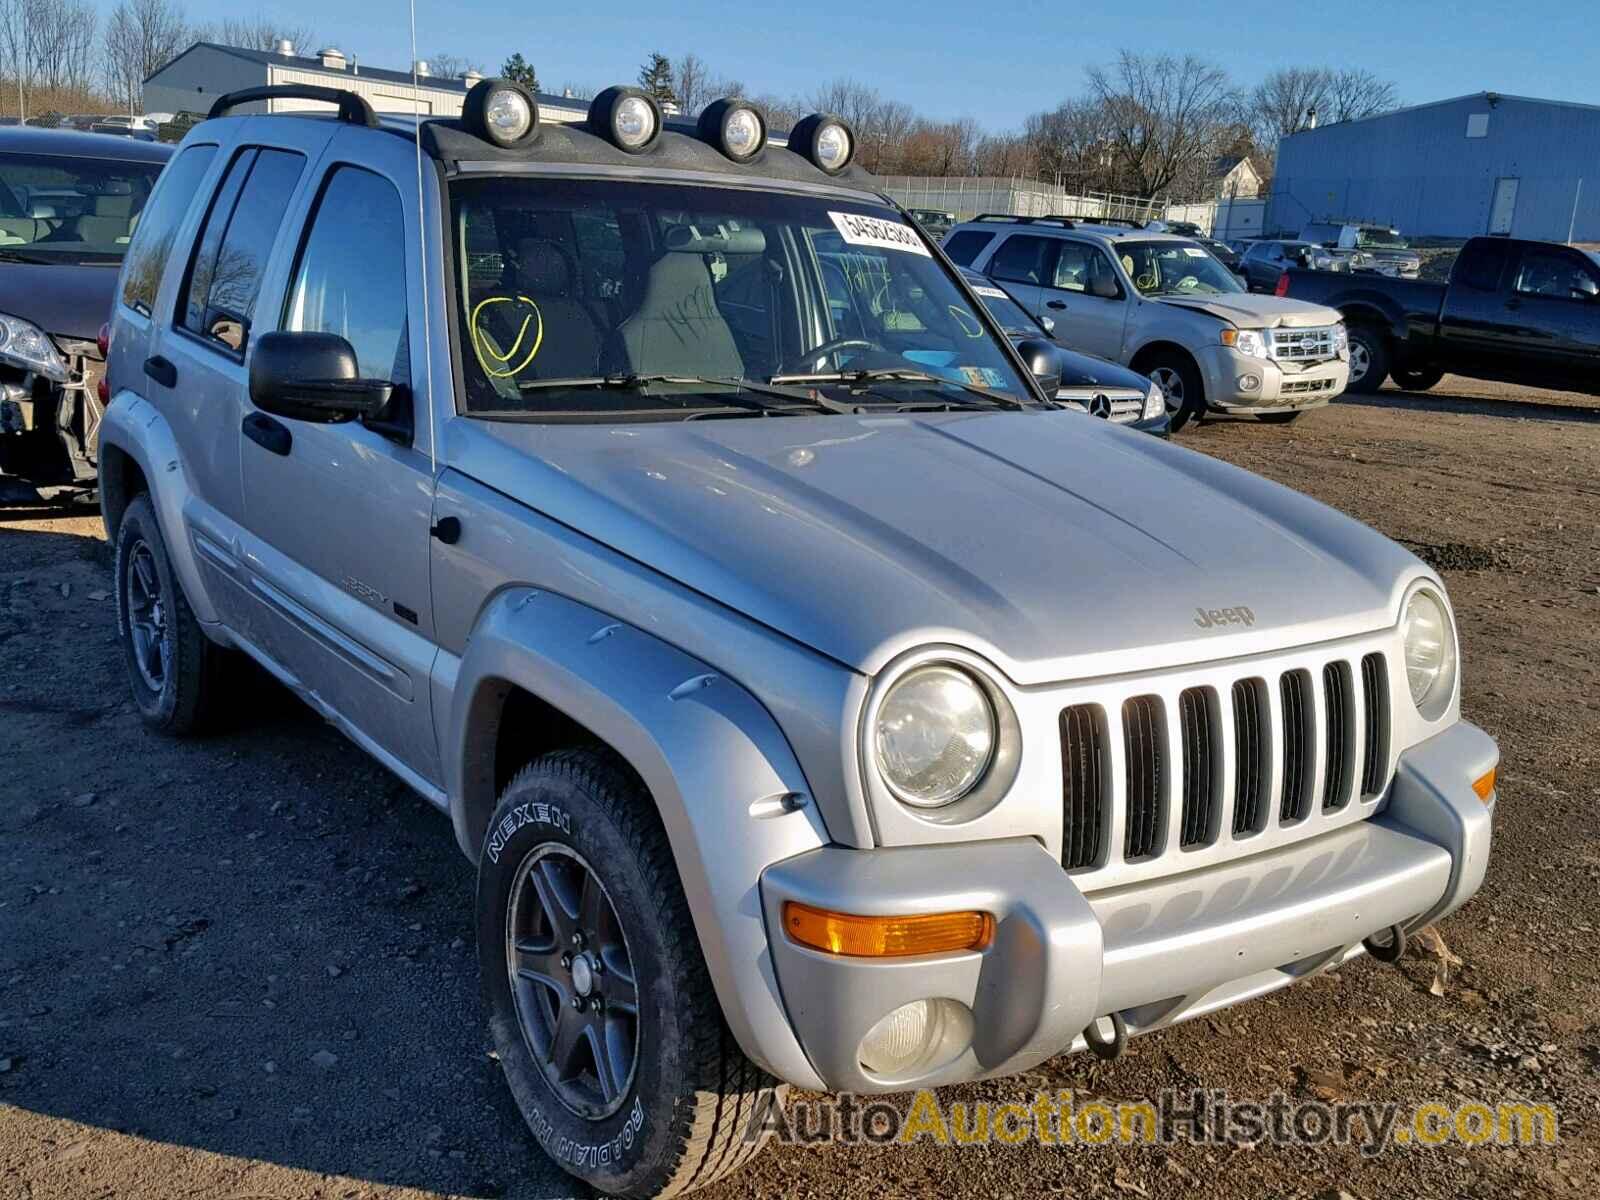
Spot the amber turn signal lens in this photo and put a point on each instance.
(886, 937)
(1484, 786)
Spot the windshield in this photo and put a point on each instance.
(1175, 269)
(1380, 239)
(1007, 313)
(58, 208)
(600, 299)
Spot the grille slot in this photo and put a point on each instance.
(1250, 767)
(1340, 724)
(1303, 345)
(1295, 691)
(1375, 709)
(1084, 792)
(1141, 736)
(1200, 753)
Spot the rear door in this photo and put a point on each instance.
(337, 515)
(1024, 262)
(1086, 300)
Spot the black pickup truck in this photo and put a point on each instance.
(1521, 312)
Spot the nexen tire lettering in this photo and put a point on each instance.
(532, 813)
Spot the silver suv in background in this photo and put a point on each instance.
(1263, 263)
(1166, 307)
(1366, 247)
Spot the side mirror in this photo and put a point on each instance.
(1104, 287)
(1043, 364)
(313, 377)
(1049, 324)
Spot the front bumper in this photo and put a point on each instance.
(1156, 953)
(1284, 387)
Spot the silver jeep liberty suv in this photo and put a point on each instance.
(820, 705)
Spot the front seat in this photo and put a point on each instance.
(678, 329)
(110, 222)
(571, 336)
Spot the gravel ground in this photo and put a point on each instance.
(240, 967)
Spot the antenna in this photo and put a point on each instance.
(422, 255)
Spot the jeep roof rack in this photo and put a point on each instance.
(352, 108)
(1064, 222)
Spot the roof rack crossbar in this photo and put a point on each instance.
(352, 108)
(1064, 222)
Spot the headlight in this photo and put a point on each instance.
(1155, 403)
(1341, 338)
(1245, 341)
(24, 344)
(936, 736)
(1430, 647)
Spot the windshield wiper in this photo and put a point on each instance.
(744, 393)
(16, 256)
(902, 375)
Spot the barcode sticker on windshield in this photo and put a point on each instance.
(992, 293)
(1194, 252)
(872, 231)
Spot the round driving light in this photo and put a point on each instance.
(735, 128)
(1249, 383)
(502, 111)
(826, 141)
(626, 117)
(1430, 651)
(742, 133)
(917, 1038)
(935, 736)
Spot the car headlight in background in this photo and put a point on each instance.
(25, 345)
(1155, 403)
(1341, 340)
(936, 735)
(1430, 649)
(1245, 341)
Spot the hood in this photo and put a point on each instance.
(1248, 311)
(1085, 370)
(1049, 544)
(65, 299)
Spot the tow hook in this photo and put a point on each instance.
(1107, 1050)
(1391, 951)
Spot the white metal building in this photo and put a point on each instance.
(193, 80)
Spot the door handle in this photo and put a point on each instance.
(1513, 304)
(1056, 304)
(161, 370)
(272, 436)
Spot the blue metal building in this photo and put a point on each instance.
(1486, 163)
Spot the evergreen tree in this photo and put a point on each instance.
(655, 77)
(520, 70)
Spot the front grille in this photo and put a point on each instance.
(1301, 387)
(1083, 771)
(1142, 719)
(1222, 764)
(1303, 345)
(1118, 409)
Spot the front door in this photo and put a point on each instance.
(1085, 299)
(338, 514)
(1023, 263)
(1552, 319)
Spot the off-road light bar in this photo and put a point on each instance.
(734, 127)
(886, 937)
(826, 142)
(626, 117)
(502, 111)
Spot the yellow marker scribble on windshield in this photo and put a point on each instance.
(970, 325)
(483, 346)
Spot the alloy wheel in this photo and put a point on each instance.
(1360, 362)
(1171, 385)
(572, 981)
(147, 616)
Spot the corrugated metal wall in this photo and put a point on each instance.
(1419, 171)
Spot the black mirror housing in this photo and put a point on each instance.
(1043, 363)
(313, 377)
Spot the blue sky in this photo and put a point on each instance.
(996, 63)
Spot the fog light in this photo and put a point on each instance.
(735, 128)
(502, 111)
(826, 141)
(1249, 383)
(917, 1038)
(626, 117)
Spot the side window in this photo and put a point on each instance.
(1073, 265)
(351, 275)
(1021, 260)
(964, 247)
(157, 227)
(239, 233)
(1480, 266)
(1555, 276)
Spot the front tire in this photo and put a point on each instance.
(175, 671)
(598, 998)
(1369, 359)
(1180, 382)
(1416, 379)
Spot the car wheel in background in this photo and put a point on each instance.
(1369, 359)
(175, 671)
(599, 1002)
(1179, 381)
(1416, 379)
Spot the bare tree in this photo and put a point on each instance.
(1164, 114)
(142, 36)
(453, 66)
(1072, 143)
(1354, 93)
(48, 45)
(255, 33)
(1282, 103)
(689, 80)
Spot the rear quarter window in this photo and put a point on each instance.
(151, 249)
(964, 247)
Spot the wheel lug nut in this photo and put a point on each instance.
(566, 962)
(577, 939)
(577, 1003)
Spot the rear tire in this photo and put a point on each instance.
(1369, 359)
(579, 900)
(176, 672)
(1416, 379)
(1180, 382)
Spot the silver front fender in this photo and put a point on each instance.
(730, 792)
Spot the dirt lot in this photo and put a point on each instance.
(241, 967)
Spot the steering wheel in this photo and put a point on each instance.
(792, 366)
(1188, 283)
